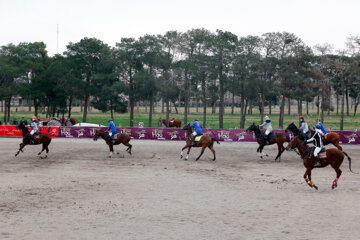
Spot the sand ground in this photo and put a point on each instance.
(79, 193)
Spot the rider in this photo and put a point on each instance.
(304, 128)
(318, 144)
(198, 131)
(268, 128)
(112, 129)
(34, 128)
(321, 126)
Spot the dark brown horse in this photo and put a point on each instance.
(334, 157)
(279, 139)
(171, 123)
(331, 137)
(205, 141)
(121, 138)
(42, 138)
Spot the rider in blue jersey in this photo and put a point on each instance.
(112, 129)
(198, 130)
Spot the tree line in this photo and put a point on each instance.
(177, 67)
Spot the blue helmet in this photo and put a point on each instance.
(110, 120)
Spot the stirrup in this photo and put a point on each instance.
(317, 164)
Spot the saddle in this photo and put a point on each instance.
(198, 137)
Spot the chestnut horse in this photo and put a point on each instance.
(331, 137)
(334, 157)
(121, 138)
(279, 139)
(171, 123)
(42, 138)
(205, 141)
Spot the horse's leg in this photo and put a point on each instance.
(280, 151)
(43, 148)
(260, 150)
(201, 153)
(111, 149)
(187, 155)
(211, 147)
(309, 181)
(338, 173)
(22, 145)
(129, 147)
(182, 150)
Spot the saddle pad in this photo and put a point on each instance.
(197, 138)
(322, 155)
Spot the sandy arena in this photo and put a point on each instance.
(79, 193)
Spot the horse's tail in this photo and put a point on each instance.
(215, 140)
(349, 162)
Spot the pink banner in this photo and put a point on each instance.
(227, 135)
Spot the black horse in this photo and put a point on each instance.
(278, 138)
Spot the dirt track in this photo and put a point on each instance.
(78, 193)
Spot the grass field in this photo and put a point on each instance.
(331, 122)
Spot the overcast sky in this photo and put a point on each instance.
(314, 21)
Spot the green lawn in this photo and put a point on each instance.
(230, 121)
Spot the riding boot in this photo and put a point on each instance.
(317, 162)
(192, 141)
(112, 138)
(32, 139)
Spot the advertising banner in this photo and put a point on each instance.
(12, 131)
(226, 135)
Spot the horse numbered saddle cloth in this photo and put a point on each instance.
(198, 137)
(322, 153)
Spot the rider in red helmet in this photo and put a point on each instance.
(304, 128)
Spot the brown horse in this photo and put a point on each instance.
(331, 137)
(42, 138)
(121, 138)
(205, 141)
(171, 123)
(279, 139)
(334, 157)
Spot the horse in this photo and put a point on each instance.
(205, 141)
(331, 137)
(171, 123)
(121, 138)
(43, 138)
(279, 139)
(334, 157)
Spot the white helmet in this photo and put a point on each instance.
(267, 118)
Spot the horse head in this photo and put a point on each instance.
(291, 127)
(97, 134)
(252, 128)
(296, 142)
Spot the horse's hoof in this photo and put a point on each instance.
(316, 187)
(214, 159)
(196, 159)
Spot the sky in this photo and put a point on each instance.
(314, 21)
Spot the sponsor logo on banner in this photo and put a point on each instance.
(350, 138)
(158, 134)
(173, 135)
(53, 131)
(225, 135)
(66, 132)
(80, 132)
(141, 134)
(240, 136)
(126, 131)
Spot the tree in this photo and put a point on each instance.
(86, 54)
(223, 46)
